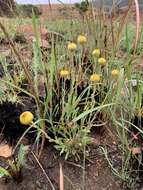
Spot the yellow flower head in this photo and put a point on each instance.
(26, 118)
(95, 78)
(72, 46)
(102, 61)
(115, 72)
(64, 73)
(96, 52)
(81, 39)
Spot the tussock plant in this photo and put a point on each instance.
(93, 80)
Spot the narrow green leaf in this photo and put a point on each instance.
(82, 115)
(4, 172)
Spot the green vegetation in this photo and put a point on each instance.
(90, 78)
(26, 10)
(15, 165)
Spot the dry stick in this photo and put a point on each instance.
(112, 31)
(43, 141)
(105, 31)
(61, 178)
(27, 75)
(137, 25)
(40, 165)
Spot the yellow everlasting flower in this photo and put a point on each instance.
(64, 73)
(102, 61)
(81, 39)
(96, 52)
(72, 46)
(95, 78)
(115, 72)
(26, 118)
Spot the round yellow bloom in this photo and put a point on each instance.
(96, 52)
(115, 72)
(102, 61)
(81, 39)
(26, 118)
(95, 78)
(72, 46)
(64, 73)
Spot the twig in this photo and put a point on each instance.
(41, 167)
(61, 178)
(137, 25)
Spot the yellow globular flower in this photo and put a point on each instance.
(72, 46)
(96, 52)
(95, 78)
(64, 73)
(115, 72)
(102, 61)
(26, 118)
(81, 39)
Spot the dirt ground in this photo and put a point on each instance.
(98, 175)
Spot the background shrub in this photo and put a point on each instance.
(26, 10)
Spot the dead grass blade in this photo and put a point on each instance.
(44, 172)
(137, 25)
(61, 178)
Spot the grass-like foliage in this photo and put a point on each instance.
(90, 78)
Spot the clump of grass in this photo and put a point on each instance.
(90, 76)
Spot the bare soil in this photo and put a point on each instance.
(98, 175)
